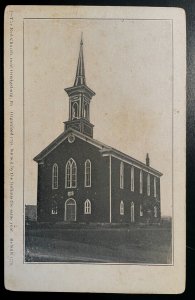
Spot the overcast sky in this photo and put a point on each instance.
(128, 64)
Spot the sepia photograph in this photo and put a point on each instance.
(95, 149)
(98, 170)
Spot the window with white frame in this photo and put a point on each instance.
(148, 184)
(87, 207)
(122, 175)
(141, 182)
(155, 187)
(54, 208)
(55, 176)
(132, 179)
(141, 213)
(71, 174)
(122, 208)
(155, 212)
(87, 173)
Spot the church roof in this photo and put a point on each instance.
(104, 149)
(63, 137)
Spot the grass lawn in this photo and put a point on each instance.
(150, 244)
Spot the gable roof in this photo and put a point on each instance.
(62, 137)
(103, 148)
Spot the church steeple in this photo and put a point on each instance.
(80, 96)
(80, 74)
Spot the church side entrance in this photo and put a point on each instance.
(70, 210)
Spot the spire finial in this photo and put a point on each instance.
(80, 73)
(81, 43)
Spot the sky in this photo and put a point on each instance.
(128, 64)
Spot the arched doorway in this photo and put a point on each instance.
(70, 210)
(132, 213)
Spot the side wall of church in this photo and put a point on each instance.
(128, 197)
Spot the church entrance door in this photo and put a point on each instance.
(70, 210)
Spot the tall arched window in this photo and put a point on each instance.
(148, 184)
(122, 208)
(132, 178)
(122, 175)
(71, 174)
(75, 110)
(155, 212)
(85, 111)
(87, 173)
(55, 176)
(87, 207)
(155, 187)
(132, 213)
(141, 182)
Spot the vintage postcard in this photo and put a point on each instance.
(95, 149)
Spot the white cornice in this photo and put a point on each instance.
(131, 162)
(104, 150)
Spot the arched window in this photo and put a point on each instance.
(132, 179)
(85, 110)
(71, 174)
(148, 184)
(75, 110)
(55, 176)
(54, 208)
(87, 173)
(87, 207)
(141, 213)
(155, 187)
(122, 208)
(155, 212)
(141, 182)
(122, 175)
(132, 213)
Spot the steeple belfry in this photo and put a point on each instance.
(80, 96)
(80, 74)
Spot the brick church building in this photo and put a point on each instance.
(83, 180)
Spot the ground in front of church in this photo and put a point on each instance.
(60, 243)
